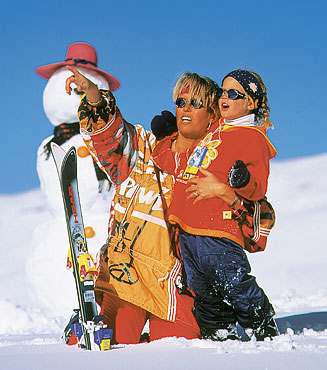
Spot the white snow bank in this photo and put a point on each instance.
(291, 271)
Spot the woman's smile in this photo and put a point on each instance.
(186, 119)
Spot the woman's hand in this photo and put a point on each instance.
(83, 84)
(209, 187)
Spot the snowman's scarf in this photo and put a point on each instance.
(64, 132)
(61, 134)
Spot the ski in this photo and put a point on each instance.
(86, 324)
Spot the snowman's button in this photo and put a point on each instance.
(89, 232)
(82, 151)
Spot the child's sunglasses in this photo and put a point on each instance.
(194, 103)
(232, 94)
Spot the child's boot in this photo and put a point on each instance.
(221, 334)
(266, 329)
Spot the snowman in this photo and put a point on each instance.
(49, 281)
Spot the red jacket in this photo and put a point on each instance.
(226, 144)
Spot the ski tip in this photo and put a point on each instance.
(54, 145)
(58, 154)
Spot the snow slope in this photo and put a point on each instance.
(291, 271)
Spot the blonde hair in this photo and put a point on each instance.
(262, 112)
(199, 88)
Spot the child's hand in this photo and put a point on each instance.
(238, 175)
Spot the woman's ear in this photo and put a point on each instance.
(214, 117)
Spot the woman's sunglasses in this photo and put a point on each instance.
(232, 94)
(194, 103)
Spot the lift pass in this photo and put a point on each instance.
(195, 161)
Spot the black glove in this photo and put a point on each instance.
(163, 125)
(238, 175)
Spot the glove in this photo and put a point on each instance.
(163, 125)
(238, 175)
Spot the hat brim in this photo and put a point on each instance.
(48, 70)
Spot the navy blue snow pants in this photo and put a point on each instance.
(218, 272)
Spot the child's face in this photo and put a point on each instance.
(231, 109)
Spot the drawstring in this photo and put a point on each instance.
(163, 278)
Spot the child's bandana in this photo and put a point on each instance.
(249, 83)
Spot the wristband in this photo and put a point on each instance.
(96, 103)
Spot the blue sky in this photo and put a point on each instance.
(147, 45)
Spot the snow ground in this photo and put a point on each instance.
(289, 352)
(291, 271)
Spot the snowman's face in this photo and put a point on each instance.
(61, 107)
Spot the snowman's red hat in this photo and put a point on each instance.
(83, 55)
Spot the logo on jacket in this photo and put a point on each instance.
(212, 152)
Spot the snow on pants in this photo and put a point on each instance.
(128, 320)
(218, 272)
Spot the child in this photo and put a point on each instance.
(237, 152)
